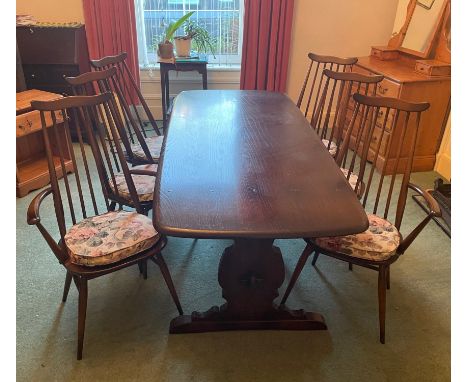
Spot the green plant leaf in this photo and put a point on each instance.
(173, 26)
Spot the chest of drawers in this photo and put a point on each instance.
(32, 171)
(401, 81)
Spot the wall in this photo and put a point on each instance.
(444, 156)
(337, 28)
(443, 161)
(51, 10)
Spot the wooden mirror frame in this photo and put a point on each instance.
(397, 40)
(443, 47)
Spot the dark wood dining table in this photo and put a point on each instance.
(247, 166)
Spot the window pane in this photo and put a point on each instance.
(221, 18)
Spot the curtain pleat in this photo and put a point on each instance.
(110, 30)
(266, 42)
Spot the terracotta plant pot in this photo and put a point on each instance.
(183, 46)
(166, 50)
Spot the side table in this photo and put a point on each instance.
(178, 65)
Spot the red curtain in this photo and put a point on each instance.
(110, 30)
(266, 40)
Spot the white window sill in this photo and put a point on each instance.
(210, 67)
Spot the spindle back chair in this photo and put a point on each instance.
(314, 79)
(125, 87)
(382, 243)
(131, 135)
(334, 102)
(94, 240)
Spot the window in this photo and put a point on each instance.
(222, 19)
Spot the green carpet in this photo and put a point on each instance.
(128, 318)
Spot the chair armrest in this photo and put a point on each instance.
(434, 207)
(142, 172)
(33, 217)
(434, 210)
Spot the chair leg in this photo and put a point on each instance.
(388, 277)
(82, 303)
(142, 266)
(382, 292)
(159, 260)
(350, 266)
(314, 260)
(66, 287)
(308, 250)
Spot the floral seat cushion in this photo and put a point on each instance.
(379, 242)
(144, 184)
(154, 146)
(110, 237)
(333, 147)
(353, 180)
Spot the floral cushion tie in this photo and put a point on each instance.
(154, 146)
(379, 242)
(108, 238)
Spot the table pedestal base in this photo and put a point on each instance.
(213, 321)
(250, 273)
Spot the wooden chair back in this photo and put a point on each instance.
(126, 88)
(335, 100)
(313, 82)
(372, 123)
(70, 195)
(105, 80)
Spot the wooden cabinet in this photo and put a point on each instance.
(48, 54)
(401, 81)
(31, 161)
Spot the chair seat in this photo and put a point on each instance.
(353, 180)
(154, 146)
(333, 147)
(110, 237)
(378, 243)
(148, 167)
(144, 184)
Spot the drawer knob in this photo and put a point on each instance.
(382, 89)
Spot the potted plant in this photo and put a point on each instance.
(166, 48)
(193, 32)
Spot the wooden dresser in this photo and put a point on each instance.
(416, 68)
(402, 81)
(31, 162)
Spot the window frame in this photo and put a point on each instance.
(149, 59)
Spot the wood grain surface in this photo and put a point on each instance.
(248, 164)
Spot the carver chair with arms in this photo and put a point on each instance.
(127, 90)
(382, 243)
(101, 240)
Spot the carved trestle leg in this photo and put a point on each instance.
(250, 273)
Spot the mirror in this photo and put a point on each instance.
(418, 33)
